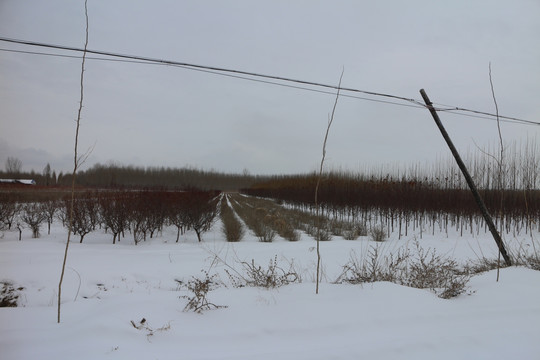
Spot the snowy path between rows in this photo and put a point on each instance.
(123, 283)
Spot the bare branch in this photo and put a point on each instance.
(82, 159)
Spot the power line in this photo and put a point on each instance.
(505, 118)
(205, 67)
(214, 73)
(448, 108)
(245, 75)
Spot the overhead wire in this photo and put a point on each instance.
(270, 79)
(453, 109)
(214, 73)
(206, 67)
(491, 118)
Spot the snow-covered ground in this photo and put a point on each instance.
(107, 287)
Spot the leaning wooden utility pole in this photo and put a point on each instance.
(468, 178)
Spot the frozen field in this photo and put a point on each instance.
(107, 287)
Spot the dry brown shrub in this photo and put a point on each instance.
(422, 270)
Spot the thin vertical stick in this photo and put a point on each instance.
(501, 184)
(498, 120)
(75, 165)
(319, 182)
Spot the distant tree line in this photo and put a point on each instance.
(178, 178)
(115, 176)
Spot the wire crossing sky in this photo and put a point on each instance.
(173, 116)
(254, 77)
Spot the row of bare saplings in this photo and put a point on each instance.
(264, 218)
(142, 213)
(401, 205)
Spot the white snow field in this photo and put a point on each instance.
(107, 287)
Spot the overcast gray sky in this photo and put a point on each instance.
(149, 115)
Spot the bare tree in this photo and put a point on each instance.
(33, 215)
(201, 210)
(156, 212)
(47, 174)
(9, 208)
(177, 214)
(13, 165)
(114, 214)
(50, 208)
(83, 221)
(138, 214)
